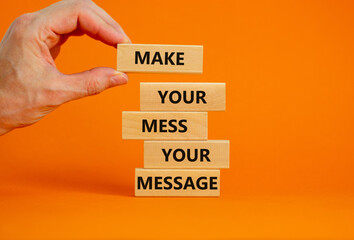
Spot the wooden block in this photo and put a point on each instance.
(187, 154)
(177, 182)
(182, 96)
(159, 58)
(165, 125)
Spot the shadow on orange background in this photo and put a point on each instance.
(288, 68)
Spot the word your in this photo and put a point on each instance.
(180, 155)
(176, 97)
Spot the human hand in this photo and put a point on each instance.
(30, 84)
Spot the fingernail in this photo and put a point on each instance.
(119, 78)
(127, 39)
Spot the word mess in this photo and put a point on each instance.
(164, 125)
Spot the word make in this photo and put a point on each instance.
(159, 58)
(155, 58)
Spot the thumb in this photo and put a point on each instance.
(92, 82)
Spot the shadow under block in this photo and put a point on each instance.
(182, 97)
(165, 125)
(187, 154)
(159, 58)
(177, 182)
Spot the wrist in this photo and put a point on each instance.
(3, 131)
(3, 128)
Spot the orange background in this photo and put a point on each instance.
(289, 73)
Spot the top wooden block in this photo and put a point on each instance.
(159, 58)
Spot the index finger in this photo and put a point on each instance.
(69, 16)
(106, 17)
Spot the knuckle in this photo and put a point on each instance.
(49, 98)
(20, 27)
(81, 4)
(51, 92)
(24, 19)
(93, 87)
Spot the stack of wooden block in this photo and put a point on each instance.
(179, 160)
